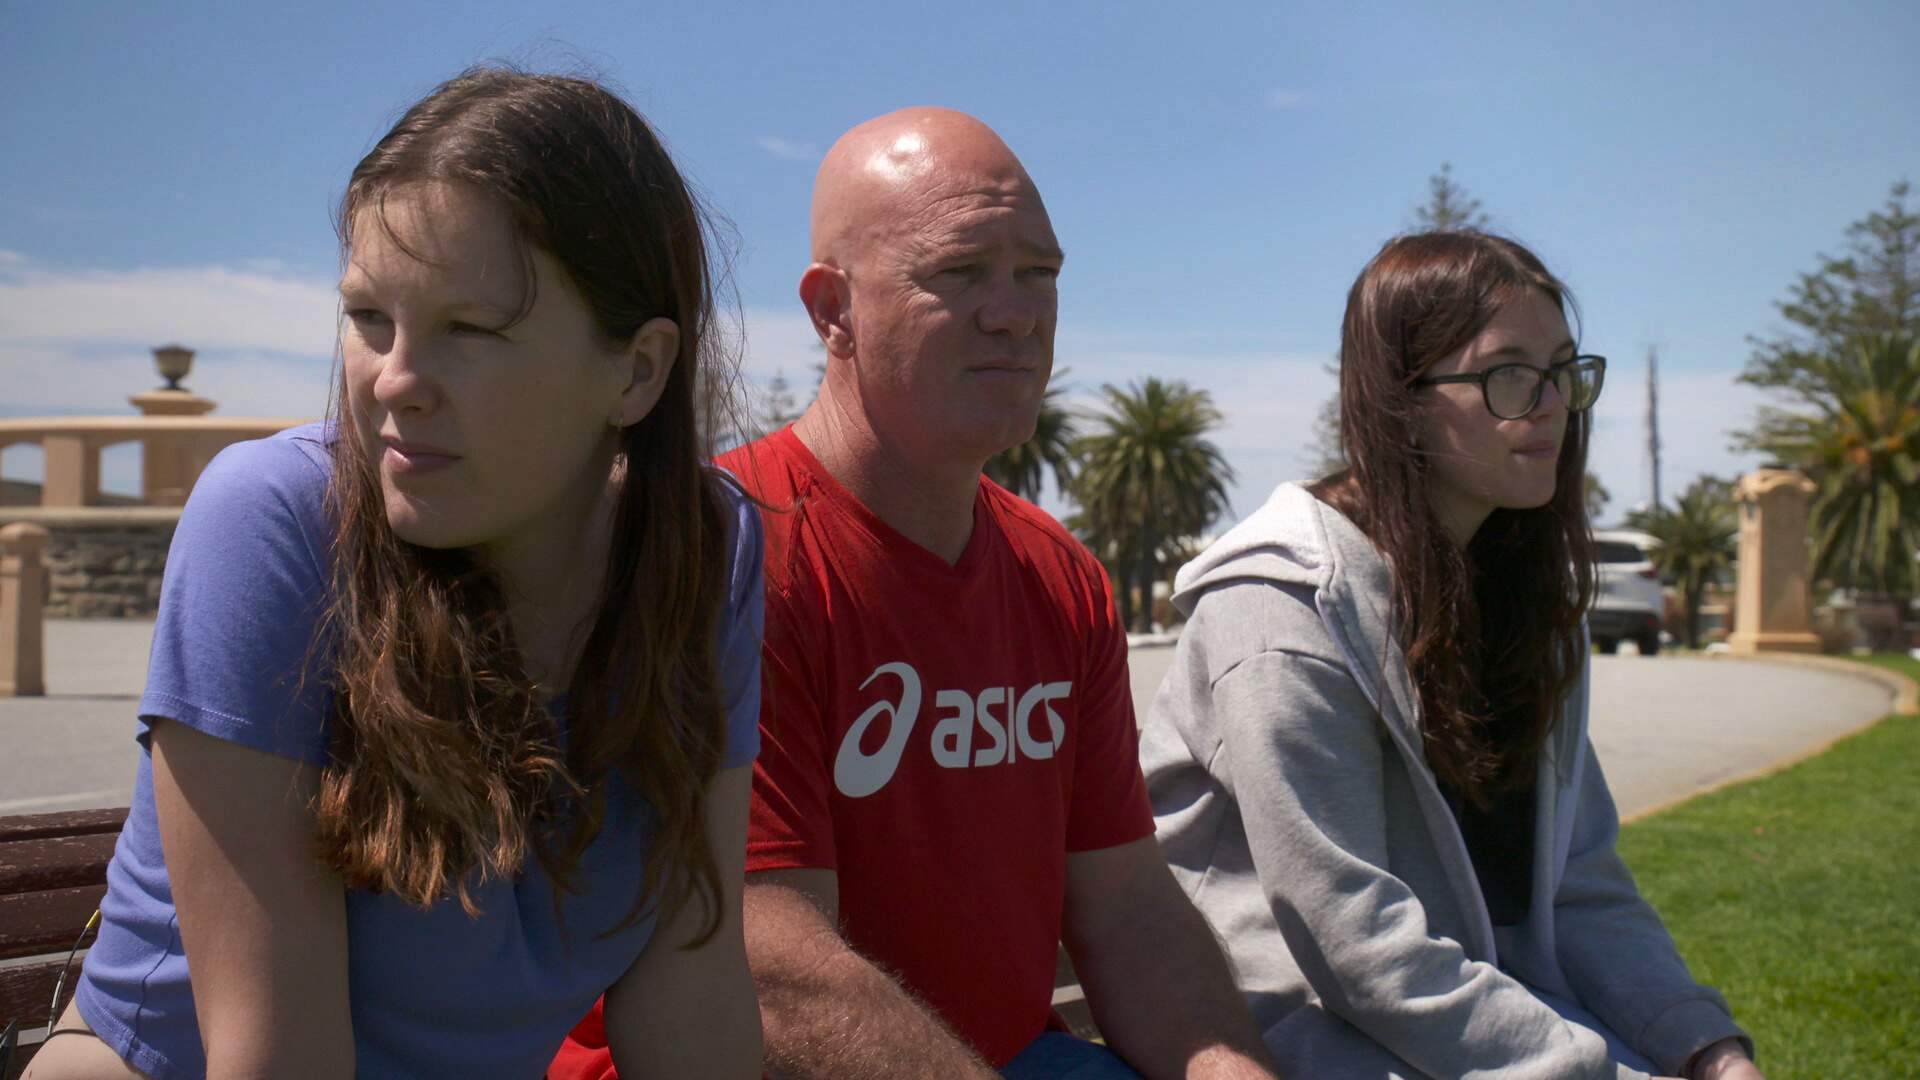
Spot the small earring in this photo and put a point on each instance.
(616, 418)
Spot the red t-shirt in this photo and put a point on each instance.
(939, 736)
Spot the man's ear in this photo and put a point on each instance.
(825, 291)
(649, 360)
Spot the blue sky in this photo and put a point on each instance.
(1217, 173)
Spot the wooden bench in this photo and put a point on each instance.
(53, 872)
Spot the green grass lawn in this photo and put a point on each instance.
(1900, 662)
(1798, 895)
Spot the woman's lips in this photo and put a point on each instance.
(415, 459)
(1546, 449)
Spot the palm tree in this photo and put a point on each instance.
(1148, 480)
(1862, 447)
(1020, 469)
(1596, 494)
(1694, 542)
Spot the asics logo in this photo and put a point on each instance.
(1008, 735)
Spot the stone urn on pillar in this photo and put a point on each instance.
(171, 461)
(1772, 611)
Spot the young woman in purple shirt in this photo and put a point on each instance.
(453, 698)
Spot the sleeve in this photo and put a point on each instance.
(743, 627)
(1303, 756)
(1615, 951)
(790, 824)
(1110, 804)
(240, 604)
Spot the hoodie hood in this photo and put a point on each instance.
(1293, 539)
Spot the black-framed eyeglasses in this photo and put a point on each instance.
(1511, 391)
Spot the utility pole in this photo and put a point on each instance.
(1653, 426)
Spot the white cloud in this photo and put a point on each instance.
(80, 342)
(203, 307)
(1699, 414)
(787, 148)
(780, 341)
(1286, 99)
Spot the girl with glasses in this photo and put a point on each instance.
(1369, 761)
(453, 697)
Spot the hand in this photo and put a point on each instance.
(1724, 1060)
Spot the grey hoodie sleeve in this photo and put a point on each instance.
(1324, 803)
(1616, 953)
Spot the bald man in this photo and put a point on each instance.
(949, 784)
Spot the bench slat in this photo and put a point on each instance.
(69, 823)
(55, 863)
(45, 922)
(25, 990)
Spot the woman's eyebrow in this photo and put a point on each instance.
(1509, 353)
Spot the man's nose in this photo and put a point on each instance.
(1011, 309)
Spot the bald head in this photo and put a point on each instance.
(882, 172)
(933, 289)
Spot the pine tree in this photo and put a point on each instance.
(1872, 290)
(1448, 204)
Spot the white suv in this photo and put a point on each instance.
(1628, 604)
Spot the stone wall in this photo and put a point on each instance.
(102, 562)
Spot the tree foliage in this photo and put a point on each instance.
(1325, 454)
(1595, 494)
(1448, 205)
(1022, 469)
(1694, 542)
(1846, 377)
(1873, 289)
(774, 406)
(1860, 442)
(1148, 479)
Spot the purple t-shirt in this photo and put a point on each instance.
(433, 992)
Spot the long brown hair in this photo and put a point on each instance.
(1492, 633)
(443, 762)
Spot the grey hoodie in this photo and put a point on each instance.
(1284, 759)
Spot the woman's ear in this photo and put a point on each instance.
(648, 361)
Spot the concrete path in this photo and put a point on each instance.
(1669, 727)
(74, 748)
(1665, 727)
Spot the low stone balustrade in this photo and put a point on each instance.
(173, 452)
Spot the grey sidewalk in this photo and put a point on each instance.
(1665, 727)
(1668, 727)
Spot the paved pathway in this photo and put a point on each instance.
(1668, 727)
(74, 748)
(1665, 727)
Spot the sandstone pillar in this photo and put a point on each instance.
(72, 471)
(170, 462)
(1772, 613)
(23, 584)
